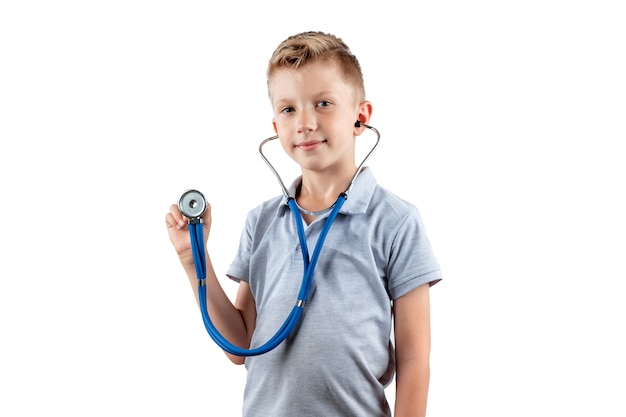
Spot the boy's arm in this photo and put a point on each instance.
(412, 343)
(234, 321)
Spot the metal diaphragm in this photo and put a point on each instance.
(192, 204)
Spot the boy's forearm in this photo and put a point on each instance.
(224, 315)
(412, 382)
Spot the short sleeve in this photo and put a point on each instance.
(239, 269)
(412, 262)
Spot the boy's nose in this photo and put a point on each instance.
(306, 121)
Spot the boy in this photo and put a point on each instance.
(376, 262)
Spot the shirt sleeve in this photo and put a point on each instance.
(412, 262)
(239, 269)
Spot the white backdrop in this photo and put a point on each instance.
(503, 121)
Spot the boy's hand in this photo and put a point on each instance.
(179, 233)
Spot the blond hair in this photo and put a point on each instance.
(307, 47)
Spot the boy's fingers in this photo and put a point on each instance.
(174, 218)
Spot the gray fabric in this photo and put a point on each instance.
(340, 357)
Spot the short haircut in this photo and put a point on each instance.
(307, 47)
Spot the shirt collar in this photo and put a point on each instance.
(358, 199)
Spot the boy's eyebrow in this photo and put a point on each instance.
(280, 102)
(325, 93)
(316, 95)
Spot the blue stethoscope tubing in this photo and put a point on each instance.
(290, 323)
(294, 316)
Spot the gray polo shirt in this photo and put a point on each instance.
(340, 357)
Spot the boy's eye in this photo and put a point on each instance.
(287, 110)
(323, 103)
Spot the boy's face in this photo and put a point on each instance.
(314, 115)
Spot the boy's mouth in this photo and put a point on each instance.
(310, 145)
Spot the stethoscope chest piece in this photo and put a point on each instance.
(192, 204)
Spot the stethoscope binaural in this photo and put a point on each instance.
(192, 204)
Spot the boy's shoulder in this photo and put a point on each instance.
(268, 207)
(387, 204)
(377, 199)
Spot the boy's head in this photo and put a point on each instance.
(307, 47)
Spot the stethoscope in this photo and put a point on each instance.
(192, 204)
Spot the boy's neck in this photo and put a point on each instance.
(319, 191)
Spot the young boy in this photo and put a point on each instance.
(376, 263)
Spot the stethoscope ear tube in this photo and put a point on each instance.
(197, 245)
(356, 173)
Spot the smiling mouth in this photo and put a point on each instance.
(311, 145)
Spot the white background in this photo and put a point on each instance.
(503, 121)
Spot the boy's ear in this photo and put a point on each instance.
(363, 117)
(274, 126)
